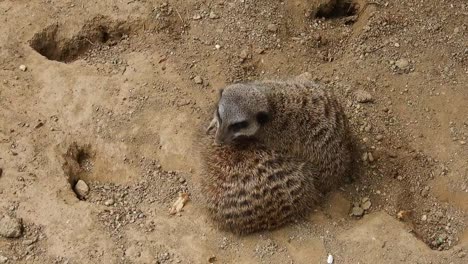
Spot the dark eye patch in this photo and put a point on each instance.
(263, 118)
(238, 126)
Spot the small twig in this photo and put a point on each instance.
(181, 19)
(89, 41)
(376, 49)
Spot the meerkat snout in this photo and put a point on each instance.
(241, 111)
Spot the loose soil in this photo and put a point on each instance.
(113, 93)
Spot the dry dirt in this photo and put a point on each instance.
(113, 92)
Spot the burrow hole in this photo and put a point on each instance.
(337, 9)
(78, 165)
(51, 44)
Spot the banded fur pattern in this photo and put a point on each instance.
(309, 122)
(248, 188)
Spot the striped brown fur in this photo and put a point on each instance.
(248, 188)
(308, 122)
(267, 173)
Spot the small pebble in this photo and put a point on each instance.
(196, 17)
(379, 137)
(213, 15)
(260, 50)
(370, 157)
(364, 156)
(198, 80)
(3, 259)
(366, 205)
(39, 124)
(244, 54)
(272, 28)
(217, 46)
(357, 211)
(330, 259)
(424, 218)
(402, 63)
(23, 68)
(109, 202)
(10, 227)
(81, 189)
(362, 96)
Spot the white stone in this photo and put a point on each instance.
(3, 259)
(10, 227)
(402, 63)
(81, 189)
(198, 80)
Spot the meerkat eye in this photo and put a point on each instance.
(262, 118)
(238, 126)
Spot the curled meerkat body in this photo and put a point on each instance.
(278, 146)
(249, 188)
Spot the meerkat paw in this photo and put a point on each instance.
(211, 126)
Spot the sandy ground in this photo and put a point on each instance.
(112, 93)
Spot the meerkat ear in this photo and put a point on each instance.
(263, 117)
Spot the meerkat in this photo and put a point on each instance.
(278, 146)
(248, 188)
(297, 117)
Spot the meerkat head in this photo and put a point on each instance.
(241, 111)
